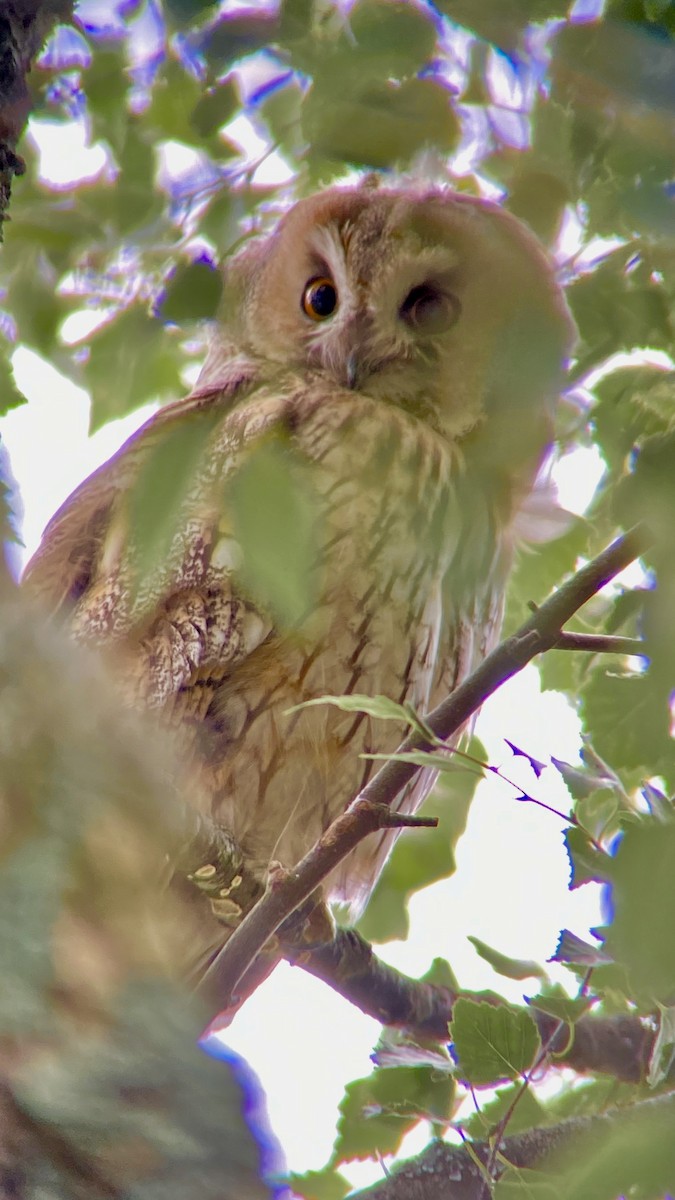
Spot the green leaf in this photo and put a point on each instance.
(587, 864)
(648, 493)
(131, 361)
(164, 483)
(628, 717)
(378, 1111)
(193, 293)
(512, 968)
(10, 396)
(273, 506)
(528, 1113)
(640, 936)
(32, 880)
(633, 403)
(236, 35)
(391, 39)
(187, 12)
(91, 943)
(583, 780)
(107, 89)
(587, 1098)
(553, 999)
(623, 60)
(501, 21)
(574, 950)
(441, 974)
(319, 1185)
(520, 1182)
(538, 198)
(32, 301)
(58, 226)
(380, 125)
(215, 108)
(539, 569)
(492, 1042)
(421, 856)
(375, 706)
(134, 197)
(176, 94)
(598, 813)
(632, 1154)
(616, 308)
(222, 220)
(663, 1051)
(281, 111)
(386, 710)
(443, 762)
(141, 1079)
(623, 160)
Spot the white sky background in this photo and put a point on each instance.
(510, 888)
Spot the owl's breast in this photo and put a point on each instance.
(385, 483)
(384, 530)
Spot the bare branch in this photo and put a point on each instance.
(619, 1046)
(350, 966)
(540, 632)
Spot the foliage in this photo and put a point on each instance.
(567, 114)
(110, 1089)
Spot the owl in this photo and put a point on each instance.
(376, 402)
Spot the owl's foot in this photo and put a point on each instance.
(216, 866)
(308, 928)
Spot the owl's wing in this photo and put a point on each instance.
(61, 569)
(180, 617)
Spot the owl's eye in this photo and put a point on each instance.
(429, 310)
(319, 299)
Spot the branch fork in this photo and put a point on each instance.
(372, 808)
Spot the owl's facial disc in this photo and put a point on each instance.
(362, 342)
(357, 339)
(371, 318)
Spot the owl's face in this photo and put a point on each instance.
(439, 303)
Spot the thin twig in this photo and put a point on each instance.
(540, 632)
(600, 643)
(547, 1045)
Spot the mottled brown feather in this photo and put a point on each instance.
(416, 448)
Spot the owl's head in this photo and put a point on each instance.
(438, 302)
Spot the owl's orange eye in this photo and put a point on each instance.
(319, 299)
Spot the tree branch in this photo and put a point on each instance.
(365, 814)
(349, 965)
(445, 1172)
(600, 643)
(619, 1046)
(24, 27)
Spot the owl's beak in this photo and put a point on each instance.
(356, 350)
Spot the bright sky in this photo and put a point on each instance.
(510, 888)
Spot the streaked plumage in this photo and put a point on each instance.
(411, 420)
